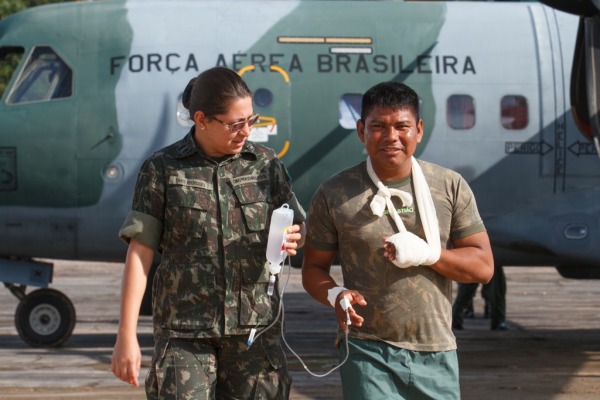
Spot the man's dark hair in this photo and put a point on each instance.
(390, 94)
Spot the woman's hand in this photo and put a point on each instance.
(294, 239)
(127, 359)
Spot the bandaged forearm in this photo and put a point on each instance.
(333, 293)
(411, 250)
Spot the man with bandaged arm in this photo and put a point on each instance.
(403, 231)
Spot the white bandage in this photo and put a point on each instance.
(333, 293)
(344, 303)
(411, 250)
(345, 306)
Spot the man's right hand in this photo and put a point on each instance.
(352, 297)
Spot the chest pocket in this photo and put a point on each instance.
(186, 212)
(255, 200)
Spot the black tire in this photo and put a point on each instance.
(45, 318)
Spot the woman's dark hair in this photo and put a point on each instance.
(390, 94)
(213, 90)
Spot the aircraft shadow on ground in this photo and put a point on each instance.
(528, 364)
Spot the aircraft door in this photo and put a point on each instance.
(585, 73)
(270, 86)
(553, 143)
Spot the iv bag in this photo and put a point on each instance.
(281, 219)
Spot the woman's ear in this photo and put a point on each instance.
(200, 120)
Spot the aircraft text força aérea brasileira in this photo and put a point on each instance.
(322, 63)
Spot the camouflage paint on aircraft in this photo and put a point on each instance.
(327, 52)
(294, 56)
(61, 147)
(301, 58)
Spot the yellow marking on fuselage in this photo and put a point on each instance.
(275, 68)
(245, 69)
(265, 121)
(300, 39)
(324, 39)
(285, 149)
(342, 40)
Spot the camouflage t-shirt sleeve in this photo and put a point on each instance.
(465, 216)
(322, 233)
(145, 220)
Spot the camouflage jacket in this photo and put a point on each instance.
(410, 307)
(209, 219)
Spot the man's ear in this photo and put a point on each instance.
(360, 130)
(419, 131)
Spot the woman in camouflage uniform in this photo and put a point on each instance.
(205, 203)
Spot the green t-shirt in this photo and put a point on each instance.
(409, 308)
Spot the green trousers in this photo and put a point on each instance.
(219, 368)
(378, 371)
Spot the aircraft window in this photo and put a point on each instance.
(514, 112)
(263, 97)
(9, 60)
(44, 77)
(460, 111)
(349, 110)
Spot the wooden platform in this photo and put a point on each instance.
(551, 352)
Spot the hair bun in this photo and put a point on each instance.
(187, 93)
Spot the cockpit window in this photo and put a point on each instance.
(45, 77)
(9, 60)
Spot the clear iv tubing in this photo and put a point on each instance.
(281, 312)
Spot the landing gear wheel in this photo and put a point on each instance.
(45, 318)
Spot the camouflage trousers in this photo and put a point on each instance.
(219, 368)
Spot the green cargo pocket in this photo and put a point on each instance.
(254, 201)
(273, 350)
(185, 213)
(255, 304)
(184, 296)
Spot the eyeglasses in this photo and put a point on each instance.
(238, 126)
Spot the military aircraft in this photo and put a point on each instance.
(509, 97)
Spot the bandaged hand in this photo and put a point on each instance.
(410, 250)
